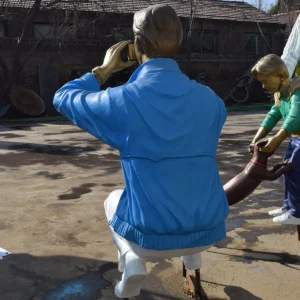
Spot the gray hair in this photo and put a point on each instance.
(159, 30)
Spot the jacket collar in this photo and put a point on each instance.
(155, 65)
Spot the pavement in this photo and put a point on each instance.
(54, 179)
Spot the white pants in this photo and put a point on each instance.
(190, 256)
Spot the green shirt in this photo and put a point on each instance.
(289, 111)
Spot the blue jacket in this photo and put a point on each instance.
(166, 128)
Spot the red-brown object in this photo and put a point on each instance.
(27, 101)
(192, 284)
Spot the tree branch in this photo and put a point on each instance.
(263, 36)
(29, 55)
(31, 15)
(27, 14)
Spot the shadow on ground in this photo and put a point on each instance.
(249, 256)
(238, 293)
(24, 276)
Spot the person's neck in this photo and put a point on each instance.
(145, 58)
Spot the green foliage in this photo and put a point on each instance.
(274, 9)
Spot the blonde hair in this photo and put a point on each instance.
(271, 64)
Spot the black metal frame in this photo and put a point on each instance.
(192, 284)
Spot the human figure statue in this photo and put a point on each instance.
(166, 128)
(272, 72)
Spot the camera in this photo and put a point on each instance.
(128, 54)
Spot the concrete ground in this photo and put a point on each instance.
(54, 179)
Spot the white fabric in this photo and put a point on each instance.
(134, 273)
(190, 256)
(291, 52)
(3, 253)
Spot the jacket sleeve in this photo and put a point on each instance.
(292, 121)
(272, 118)
(101, 113)
(223, 112)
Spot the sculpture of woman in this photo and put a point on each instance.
(273, 73)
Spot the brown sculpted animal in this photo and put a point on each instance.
(242, 185)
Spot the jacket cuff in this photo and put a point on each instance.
(267, 125)
(288, 128)
(90, 81)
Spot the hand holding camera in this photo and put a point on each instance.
(117, 58)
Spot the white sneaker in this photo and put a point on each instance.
(134, 273)
(278, 212)
(287, 219)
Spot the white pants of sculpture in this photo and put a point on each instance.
(132, 257)
(3, 253)
(291, 51)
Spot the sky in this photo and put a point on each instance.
(268, 3)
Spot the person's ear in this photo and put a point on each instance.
(281, 76)
(138, 44)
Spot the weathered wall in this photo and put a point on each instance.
(72, 55)
(231, 61)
